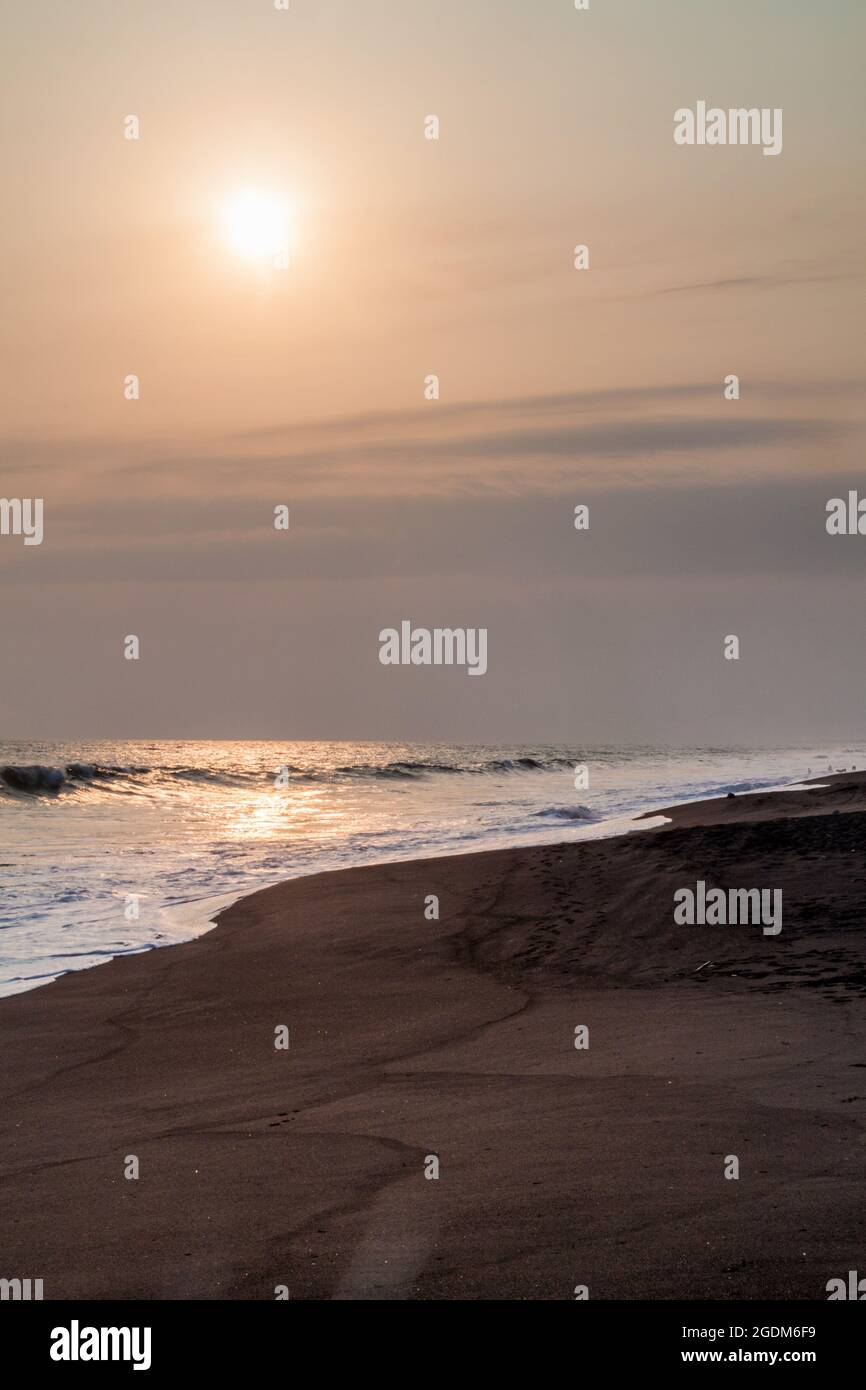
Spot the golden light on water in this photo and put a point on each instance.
(276, 813)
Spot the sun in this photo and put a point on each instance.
(257, 224)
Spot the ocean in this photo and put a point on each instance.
(108, 848)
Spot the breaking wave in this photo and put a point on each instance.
(38, 778)
(566, 813)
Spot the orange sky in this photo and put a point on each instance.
(305, 386)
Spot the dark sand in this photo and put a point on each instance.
(558, 1167)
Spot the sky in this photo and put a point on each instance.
(304, 386)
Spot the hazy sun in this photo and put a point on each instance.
(257, 224)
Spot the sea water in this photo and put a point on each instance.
(127, 846)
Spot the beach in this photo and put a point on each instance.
(432, 1131)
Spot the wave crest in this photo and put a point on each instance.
(37, 778)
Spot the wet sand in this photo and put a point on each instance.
(413, 1039)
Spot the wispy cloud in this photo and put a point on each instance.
(769, 281)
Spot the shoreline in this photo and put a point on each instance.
(188, 919)
(414, 1038)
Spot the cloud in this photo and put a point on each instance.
(770, 281)
(514, 446)
(686, 530)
